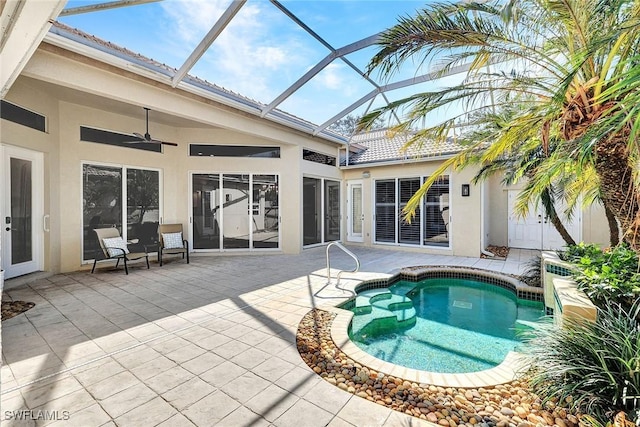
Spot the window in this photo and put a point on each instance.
(22, 116)
(315, 157)
(104, 190)
(100, 136)
(233, 151)
(385, 211)
(429, 226)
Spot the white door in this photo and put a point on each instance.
(535, 231)
(355, 215)
(21, 205)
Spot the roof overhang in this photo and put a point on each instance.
(68, 40)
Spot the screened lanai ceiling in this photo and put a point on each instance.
(306, 59)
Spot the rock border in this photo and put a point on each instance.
(504, 405)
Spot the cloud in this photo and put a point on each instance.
(257, 55)
(331, 77)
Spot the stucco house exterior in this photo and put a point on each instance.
(238, 182)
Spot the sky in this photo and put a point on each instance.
(262, 51)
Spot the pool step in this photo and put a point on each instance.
(378, 311)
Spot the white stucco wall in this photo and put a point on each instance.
(66, 109)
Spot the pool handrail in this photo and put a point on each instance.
(348, 252)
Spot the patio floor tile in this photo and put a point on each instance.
(271, 402)
(195, 344)
(222, 374)
(211, 409)
(149, 414)
(303, 413)
(245, 386)
(188, 393)
(244, 417)
(128, 399)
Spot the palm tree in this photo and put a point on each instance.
(570, 64)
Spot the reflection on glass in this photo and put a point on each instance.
(102, 204)
(235, 211)
(206, 211)
(21, 233)
(311, 195)
(143, 210)
(331, 210)
(264, 211)
(436, 214)
(356, 209)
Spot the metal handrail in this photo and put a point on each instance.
(348, 252)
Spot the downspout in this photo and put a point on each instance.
(482, 214)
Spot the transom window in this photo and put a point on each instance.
(22, 116)
(100, 136)
(233, 151)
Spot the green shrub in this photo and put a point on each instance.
(607, 277)
(573, 253)
(589, 366)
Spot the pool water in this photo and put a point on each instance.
(441, 325)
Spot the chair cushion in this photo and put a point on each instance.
(115, 242)
(172, 240)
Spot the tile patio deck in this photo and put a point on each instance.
(210, 343)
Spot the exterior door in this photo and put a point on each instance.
(355, 216)
(536, 231)
(22, 211)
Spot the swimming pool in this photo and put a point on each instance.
(444, 325)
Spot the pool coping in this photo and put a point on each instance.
(505, 372)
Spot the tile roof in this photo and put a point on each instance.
(384, 146)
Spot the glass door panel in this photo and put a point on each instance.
(408, 233)
(331, 210)
(143, 207)
(355, 215)
(235, 211)
(21, 215)
(311, 197)
(436, 213)
(385, 211)
(206, 211)
(102, 204)
(265, 212)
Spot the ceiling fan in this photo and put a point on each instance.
(146, 138)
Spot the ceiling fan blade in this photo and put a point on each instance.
(155, 141)
(146, 138)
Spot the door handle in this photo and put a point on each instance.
(44, 223)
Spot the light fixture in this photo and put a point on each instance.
(366, 174)
(465, 190)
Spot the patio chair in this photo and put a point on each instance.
(113, 246)
(172, 241)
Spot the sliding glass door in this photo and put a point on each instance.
(320, 211)
(104, 190)
(235, 211)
